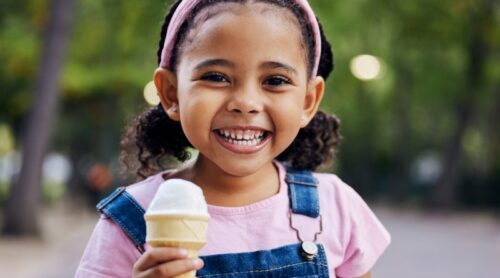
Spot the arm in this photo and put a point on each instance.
(367, 239)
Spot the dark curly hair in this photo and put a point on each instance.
(152, 140)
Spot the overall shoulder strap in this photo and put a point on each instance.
(303, 192)
(124, 210)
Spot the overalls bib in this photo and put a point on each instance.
(303, 259)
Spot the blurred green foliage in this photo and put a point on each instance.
(441, 82)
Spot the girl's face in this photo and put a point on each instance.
(242, 90)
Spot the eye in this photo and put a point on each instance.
(214, 77)
(277, 81)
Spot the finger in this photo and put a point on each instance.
(174, 268)
(160, 255)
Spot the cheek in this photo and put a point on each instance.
(198, 105)
(287, 116)
(292, 105)
(196, 114)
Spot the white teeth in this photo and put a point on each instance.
(242, 138)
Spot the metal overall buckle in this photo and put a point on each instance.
(309, 248)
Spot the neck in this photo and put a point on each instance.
(223, 189)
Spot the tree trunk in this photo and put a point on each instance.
(445, 195)
(402, 133)
(446, 189)
(21, 211)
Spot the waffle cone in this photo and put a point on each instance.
(184, 231)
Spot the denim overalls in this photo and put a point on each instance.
(303, 259)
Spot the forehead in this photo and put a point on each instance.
(245, 28)
(241, 8)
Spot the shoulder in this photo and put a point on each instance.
(144, 191)
(362, 236)
(336, 196)
(333, 186)
(342, 201)
(342, 197)
(109, 253)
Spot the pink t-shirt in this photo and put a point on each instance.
(352, 235)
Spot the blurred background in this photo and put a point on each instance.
(416, 86)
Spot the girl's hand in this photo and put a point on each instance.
(165, 262)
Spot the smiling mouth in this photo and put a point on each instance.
(243, 137)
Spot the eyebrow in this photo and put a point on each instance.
(214, 62)
(226, 63)
(278, 65)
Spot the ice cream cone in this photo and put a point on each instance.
(178, 217)
(184, 231)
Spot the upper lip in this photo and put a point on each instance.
(243, 127)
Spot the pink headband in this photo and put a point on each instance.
(186, 7)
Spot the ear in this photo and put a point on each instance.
(314, 94)
(166, 85)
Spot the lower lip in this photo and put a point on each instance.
(240, 149)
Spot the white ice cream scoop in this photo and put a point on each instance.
(177, 196)
(178, 217)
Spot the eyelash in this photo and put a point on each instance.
(283, 80)
(219, 77)
(212, 75)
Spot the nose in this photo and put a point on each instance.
(245, 101)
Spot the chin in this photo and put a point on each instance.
(241, 169)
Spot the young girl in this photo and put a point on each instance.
(241, 82)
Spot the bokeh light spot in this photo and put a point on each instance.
(150, 94)
(366, 67)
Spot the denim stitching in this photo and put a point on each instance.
(260, 271)
(310, 184)
(306, 177)
(295, 181)
(129, 232)
(108, 200)
(310, 179)
(134, 235)
(294, 197)
(134, 203)
(317, 197)
(323, 260)
(317, 204)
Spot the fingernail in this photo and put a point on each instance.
(198, 263)
(183, 252)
